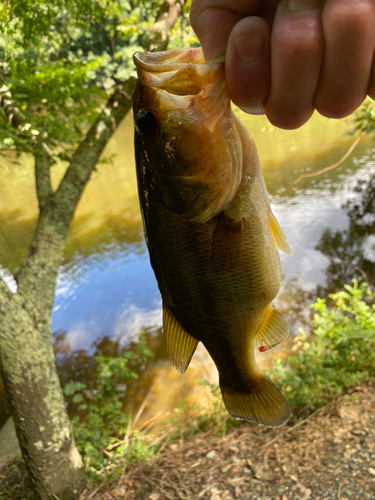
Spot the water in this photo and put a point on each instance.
(106, 291)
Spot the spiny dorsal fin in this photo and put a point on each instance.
(180, 344)
(227, 243)
(260, 402)
(278, 235)
(273, 330)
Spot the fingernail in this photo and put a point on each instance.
(249, 47)
(254, 110)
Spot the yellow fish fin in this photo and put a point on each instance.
(180, 343)
(262, 403)
(227, 243)
(278, 235)
(273, 330)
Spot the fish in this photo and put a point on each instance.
(212, 237)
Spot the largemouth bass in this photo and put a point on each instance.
(210, 231)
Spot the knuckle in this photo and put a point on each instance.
(349, 13)
(301, 37)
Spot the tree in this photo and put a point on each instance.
(59, 61)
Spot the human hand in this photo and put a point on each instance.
(286, 58)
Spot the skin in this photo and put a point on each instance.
(289, 58)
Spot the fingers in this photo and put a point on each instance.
(247, 64)
(311, 54)
(297, 47)
(349, 28)
(213, 20)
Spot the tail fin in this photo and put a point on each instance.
(261, 402)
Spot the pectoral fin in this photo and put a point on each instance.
(180, 343)
(260, 402)
(278, 235)
(227, 243)
(272, 331)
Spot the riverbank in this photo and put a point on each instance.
(328, 455)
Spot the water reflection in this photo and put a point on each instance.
(112, 294)
(106, 290)
(78, 364)
(351, 252)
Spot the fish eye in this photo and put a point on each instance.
(146, 122)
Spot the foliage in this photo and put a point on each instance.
(364, 118)
(100, 422)
(60, 60)
(15, 483)
(340, 353)
(182, 34)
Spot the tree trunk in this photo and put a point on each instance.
(36, 403)
(26, 358)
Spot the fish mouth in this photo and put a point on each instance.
(181, 80)
(181, 72)
(169, 60)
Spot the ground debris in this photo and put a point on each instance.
(330, 456)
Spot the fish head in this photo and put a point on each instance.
(187, 146)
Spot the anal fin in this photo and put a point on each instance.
(260, 402)
(180, 343)
(273, 330)
(278, 235)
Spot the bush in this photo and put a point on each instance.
(100, 422)
(340, 354)
(364, 118)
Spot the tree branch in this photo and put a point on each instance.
(158, 38)
(42, 174)
(88, 152)
(14, 115)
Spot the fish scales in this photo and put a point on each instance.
(209, 228)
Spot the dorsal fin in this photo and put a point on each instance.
(272, 331)
(180, 343)
(278, 235)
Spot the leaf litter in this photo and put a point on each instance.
(328, 455)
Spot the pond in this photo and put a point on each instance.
(106, 291)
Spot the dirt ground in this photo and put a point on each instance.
(330, 455)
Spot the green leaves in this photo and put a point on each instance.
(340, 353)
(364, 118)
(73, 387)
(60, 61)
(99, 421)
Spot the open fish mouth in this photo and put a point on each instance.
(182, 90)
(182, 71)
